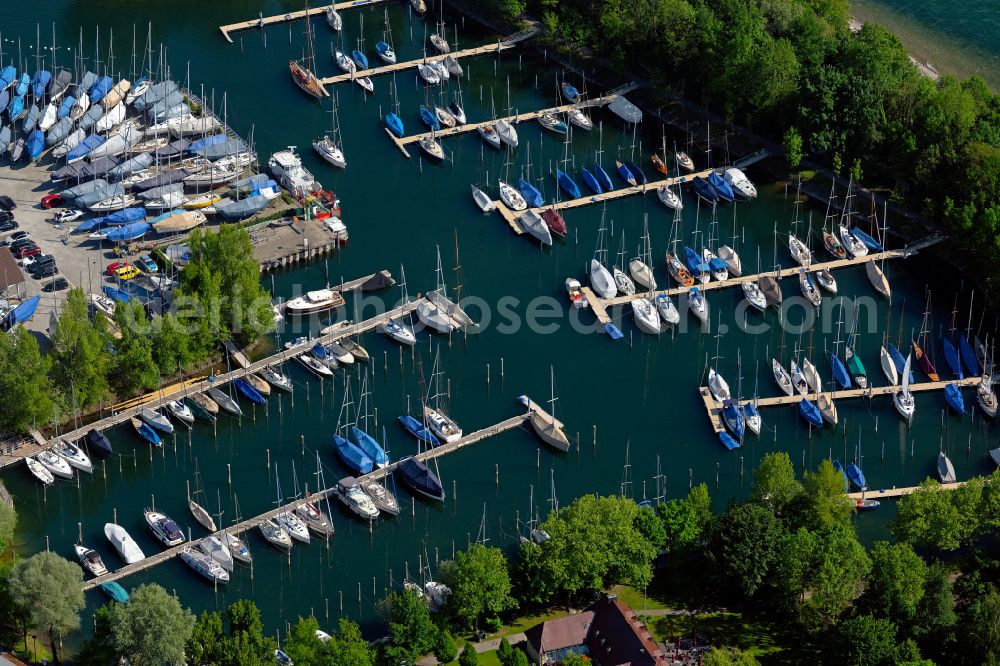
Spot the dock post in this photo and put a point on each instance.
(497, 466)
(229, 473)
(302, 438)
(501, 369)
(595, 441)
(690, 478)
(268, 459)
(487, 374)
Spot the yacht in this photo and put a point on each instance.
(312, 302)
(287, 169)
(39, 471)
(123, 543)
(205, 565)
(350, 493)
(164, 529)
(442, 425)
(90, 560)
(74, 455)
(55, 464)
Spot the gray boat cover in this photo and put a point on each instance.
(83, 188)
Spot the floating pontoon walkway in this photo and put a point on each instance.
(157, 399)
(714, 409)
(239, 528)
(497, 47)
(264, 21)
(891, 493)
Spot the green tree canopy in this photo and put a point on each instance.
(80, 353)
(410, 627)
(135, 369)
(48, 590)
(866, 641)
(822, 504)
(933, 518)
(152, 629)
(445, 649)
(743, 545)
(348, 647)
(728, 656)
(469, 656)
(774, 483)
(25, 404)
(895, 585)
(302, 645)
(480, 585)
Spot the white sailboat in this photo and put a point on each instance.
(781, 376)
(483, 200)
(903, 399)
(639, 266)
(401, 330)
(600, 277)
(123, 543)
(811, 375)
(888, 367)
(718, 386)
(646, 316)
(329, 145)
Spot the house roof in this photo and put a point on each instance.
(619, 637)
(7, 659)
(10, 272)
(561, 633)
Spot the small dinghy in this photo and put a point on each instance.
(483, 201)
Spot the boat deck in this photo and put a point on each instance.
(714, 409)
(158, 398)
(264, 21)
(239, 528)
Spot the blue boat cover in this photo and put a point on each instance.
(869, 242)
(360, 58)
(810, 412)
(22, 86)
(429, 118)
(352, 456)
(115, 592)
(568, 184)
(613, 331)
(722, 188)
(626, 173)
(7, 76)
(22, 313)
(81, 149)
(36, 143)
(590, 181)
(16, 108)
(417, 429)
(116, 294)
(705, 190)
(420, 478)
(66, 106)
(899, 361)
(248, 392)
(728, 441)
(39, 82)
(395, 124)
(101, 88)
(951, 358)
(530, 193)
(953, 396)
(637, 172)
(602, 177)
(694, 262)
(856, 476)
(732, 415)
(207, 141)
(4, 99)
(128, 232)
(840, 372)
(126, 215)
(968, 356)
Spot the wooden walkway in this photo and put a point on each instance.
(714, 409)
(239, 528)
(497, 47)
(158, 398)
(889, 493)
(264, 21)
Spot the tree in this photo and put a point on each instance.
(792, 144)
(99, 648)
(680, 525)
(26, 404)
(701, 503)
(822, 503)
(302, 645)
(80, 353)
(48, 590)
(865, 641)
(348, 647)
(208, 641)
(444, 647)
(8, 523)
(505, 653)
(728, 656)
(984, 628)
(929, 517)
(896, 583)
(135, 369)
(171, 345)
(743, 545)
(410, 627)
(936, 618)
(774, 483)
(153, 628)
(480, 585)
(469, 656)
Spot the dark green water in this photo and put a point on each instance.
(640, 392)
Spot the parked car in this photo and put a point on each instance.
(8, 224)
(7, 203)
(6, 215)
(52, 200)
(27, 251)
(68, 215)
(40, 260)
(18, 235)
(147, 264)
(17, 242)
(55, 285)
(48, 270)
(114, 266)
(127, 272)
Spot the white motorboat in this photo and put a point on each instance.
(811, 375)
(601, 280)
(156, 420)
(314, 365)
(669, 198)
(888, 367)
(218, 551)
(276, 379)
(287, 169)
(399, 331)
(164, 529)
(739, 183)
(781, 377)
(645, 315)
(90, 560)
(237, 548)
(39, 472)
(275, 534)
(754, 296)
(204, 565)
(668, 311)
(74, 455)
(55, 464)
(483, 200)
(293, 525)
(511, 197)
(181, 412)
(575, 292)
(441, 424)
(123, 543)
(313, 302)
(354, 498)
(903, 400)
(798, 378)
(800, 253)
(507, 133)
(718, 386)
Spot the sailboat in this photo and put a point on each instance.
(350, 454)
(545, 423)
(360, 436)
(903, 399)
(600, 277)
(203, 517)
(639, 266)
(302, 70)
(400, 330)
(888, 366)
(442, 425)
(953, 397)
(946, 471)
(384, 48)
(853, 362)
(329, 147)
(623, 282)
(921, 350)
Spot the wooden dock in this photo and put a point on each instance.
(499, 46)
(714, 409)
(891, 493)
(239, 528)
(264, 21)
(159, 398)
(596, 305)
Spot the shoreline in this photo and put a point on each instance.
(933, 52)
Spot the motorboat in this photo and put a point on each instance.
(123, 543)
(57, 465)
(218, 551)
(483, 200)
(728, 441)
(204, 565)
(315, 302)
(90, 560)
(74, 455)
(156, 420)
(354, 498)
(163, 528)
(740, 184)
(668, 311)
(329, 151)
(39, 471)
(718, 386)
(274, 534)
